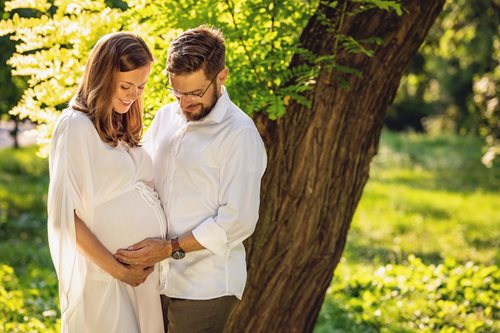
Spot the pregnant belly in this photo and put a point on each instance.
(128, 219)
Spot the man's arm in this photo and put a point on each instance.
(152, 250)
(244, 163)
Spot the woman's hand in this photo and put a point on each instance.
(134, 275)
(92, 248)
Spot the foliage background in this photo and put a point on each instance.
(451, 86)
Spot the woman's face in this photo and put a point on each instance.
(129, 87)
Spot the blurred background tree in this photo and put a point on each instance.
(52, 41)
(12, 86)
(53, 45)
(453, 83)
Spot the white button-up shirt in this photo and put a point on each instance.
(208, 176)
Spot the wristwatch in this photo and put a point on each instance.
(177, 252)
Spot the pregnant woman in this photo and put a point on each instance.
(101, 196)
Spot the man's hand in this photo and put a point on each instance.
(145, 253)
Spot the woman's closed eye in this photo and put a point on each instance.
(128, 87)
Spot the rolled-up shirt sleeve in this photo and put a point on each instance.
(241, 172)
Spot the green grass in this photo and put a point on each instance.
(428, 213)
(430, 197)
(23, 196)
(28, 288)
(421, 254)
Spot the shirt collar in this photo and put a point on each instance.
(220, 108)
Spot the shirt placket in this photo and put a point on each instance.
(177, 140)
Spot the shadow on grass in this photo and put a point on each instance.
(424, 210)
(23, 195)
(454, 162)
(334, 318)
(381, 254)
(451, 181)
(20, 254)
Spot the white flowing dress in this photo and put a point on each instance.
(111, 190)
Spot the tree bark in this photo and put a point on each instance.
(318, 165)
(14, 133)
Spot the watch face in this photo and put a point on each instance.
(179, 254)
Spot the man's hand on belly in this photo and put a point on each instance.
(145, 253)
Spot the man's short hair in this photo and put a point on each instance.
(199, 48)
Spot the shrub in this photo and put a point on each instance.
(27, 306)
(413, 297)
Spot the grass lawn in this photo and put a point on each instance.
(28, 285)
(421, 255)
(430, 197)
(423, 245)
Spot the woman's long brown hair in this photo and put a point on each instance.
(119, 51)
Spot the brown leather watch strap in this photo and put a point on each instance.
(175, 244)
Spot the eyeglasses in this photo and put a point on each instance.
(179, 94)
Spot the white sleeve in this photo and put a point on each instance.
(70, 189)
(239, 194)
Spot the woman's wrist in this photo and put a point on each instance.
(118, 271)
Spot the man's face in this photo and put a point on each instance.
(188, 86)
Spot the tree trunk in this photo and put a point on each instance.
(318, 165)
(15, 131)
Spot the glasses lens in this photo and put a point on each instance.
(192, 95)
(173, 92)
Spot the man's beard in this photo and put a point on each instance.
(205, 110)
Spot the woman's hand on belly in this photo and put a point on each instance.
(135, 275)
(95, 251)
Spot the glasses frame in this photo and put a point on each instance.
(178, 94)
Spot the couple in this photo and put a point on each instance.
(129, 222)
